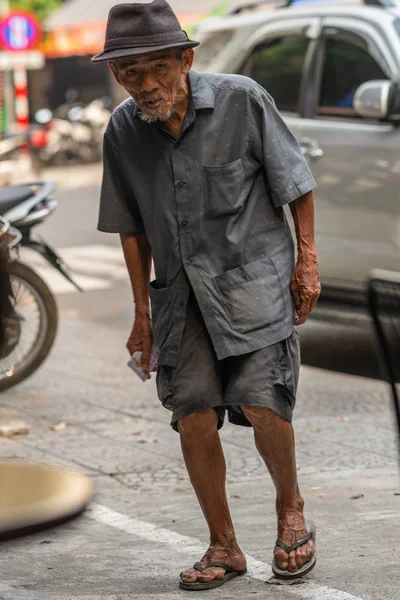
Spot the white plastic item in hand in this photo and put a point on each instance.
(135, 365)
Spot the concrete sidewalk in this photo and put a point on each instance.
(145, 526)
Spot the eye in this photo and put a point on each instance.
(160, 66)
(131, 72)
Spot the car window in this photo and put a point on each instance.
(277, 65)
(211, 45)
(347, 65)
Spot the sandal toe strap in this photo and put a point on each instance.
(300, 542)
(222, 565)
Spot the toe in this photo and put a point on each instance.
(190, 576)
(292, 562)
(301, 557)
(296, 559)
(310, 551)
(281, 559)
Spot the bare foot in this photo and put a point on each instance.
(215, 553)
(291, 527)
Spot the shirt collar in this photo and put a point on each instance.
(201, 93)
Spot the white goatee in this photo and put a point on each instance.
(156, 117)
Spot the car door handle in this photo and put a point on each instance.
(310, 148)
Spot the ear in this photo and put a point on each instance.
(187, 60)
(114, 71)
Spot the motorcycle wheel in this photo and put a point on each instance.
(36, 307)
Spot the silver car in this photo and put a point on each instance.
(333, 72)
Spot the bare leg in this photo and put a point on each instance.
(274, 439)
(205, 462)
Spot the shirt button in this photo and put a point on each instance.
(181, 184)
(182, 303)
(185, 223)
(189, 262)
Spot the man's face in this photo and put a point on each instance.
(157, 82)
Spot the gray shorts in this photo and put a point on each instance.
(267, 377)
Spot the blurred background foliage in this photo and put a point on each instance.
(41, 8)
(219, 9)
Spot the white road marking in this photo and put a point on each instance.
(93, 267)
(182, 543)
(379, 516)
(322, 592)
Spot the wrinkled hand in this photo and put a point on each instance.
(306, 289)
(141, 340)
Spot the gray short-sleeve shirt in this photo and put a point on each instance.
(210, 202)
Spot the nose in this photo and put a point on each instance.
(148, 83)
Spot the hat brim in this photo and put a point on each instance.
(124, 52)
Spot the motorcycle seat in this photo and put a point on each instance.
(12, 196)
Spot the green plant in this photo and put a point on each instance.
(220, 9)
(41, 8)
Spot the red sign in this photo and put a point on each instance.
(19, 31)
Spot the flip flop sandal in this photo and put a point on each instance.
(231, 573)
(308, 566)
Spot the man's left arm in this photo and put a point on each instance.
(290, 181)
(305, 286)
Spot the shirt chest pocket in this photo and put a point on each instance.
(225, 188)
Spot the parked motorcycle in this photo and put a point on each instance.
(31, 334)
(56, 140)
(90, 125)
(8, 238)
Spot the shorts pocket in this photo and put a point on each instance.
(224, 188)
(252, 296)
(162, 306)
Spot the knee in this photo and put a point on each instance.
(199, 424)
(259, 415)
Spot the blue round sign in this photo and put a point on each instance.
(19, 31)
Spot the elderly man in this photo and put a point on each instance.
(197, 169)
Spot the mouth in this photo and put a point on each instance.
(154, 104)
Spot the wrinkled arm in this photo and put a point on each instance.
(137, 254)
(306, 287)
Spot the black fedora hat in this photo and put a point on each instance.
(137, 29)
